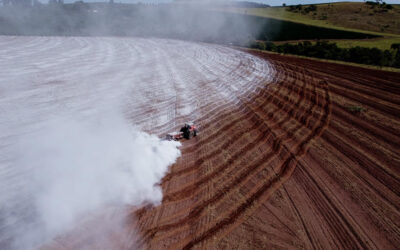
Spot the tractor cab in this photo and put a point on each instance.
(189, 130)
(190, 125)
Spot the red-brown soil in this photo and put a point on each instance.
(293, 167)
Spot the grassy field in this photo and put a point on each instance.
(356, 17)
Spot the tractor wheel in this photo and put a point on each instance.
(186, 134)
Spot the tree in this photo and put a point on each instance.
(397, 60)
(258, 45)
(388, 57)
(395, 46)
(270, 46)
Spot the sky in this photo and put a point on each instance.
(269, 2)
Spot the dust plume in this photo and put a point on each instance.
(185, 20)
(76, 167)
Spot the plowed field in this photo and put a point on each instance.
(292, 166)
(283, 158)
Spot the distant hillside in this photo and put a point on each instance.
(364, 16)
(344, 15)
(367, 17)
(177, 21)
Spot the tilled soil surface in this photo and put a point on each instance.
(283, 159)
(293, 165)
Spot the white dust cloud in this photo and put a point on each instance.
(79, 166)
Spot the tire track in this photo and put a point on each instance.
(276, 149)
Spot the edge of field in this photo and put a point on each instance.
(389, 69)
(280, 13)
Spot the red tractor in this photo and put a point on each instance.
(188, 131)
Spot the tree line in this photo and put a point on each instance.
(329, 50)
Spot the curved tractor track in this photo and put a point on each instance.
(291, 166)
(280, 162)
(242, 157)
